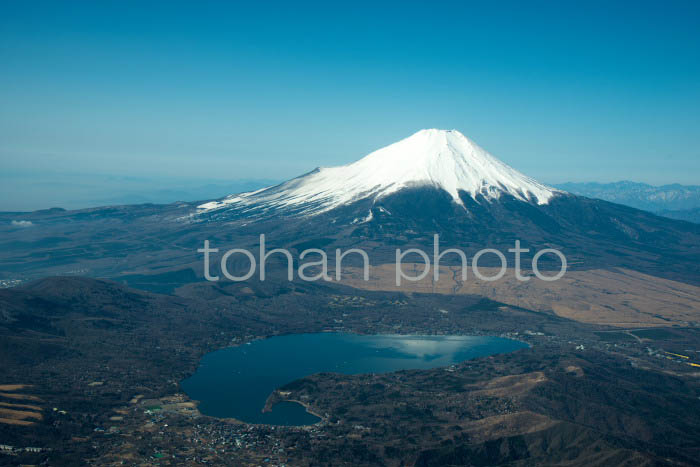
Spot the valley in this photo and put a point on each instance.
(110, 360)
(106, 311)
(323, 234)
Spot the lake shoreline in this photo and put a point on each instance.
(243, 382)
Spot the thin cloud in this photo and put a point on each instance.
(22, 223)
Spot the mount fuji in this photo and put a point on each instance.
(440, 181)
(442, 159)
(433, 182)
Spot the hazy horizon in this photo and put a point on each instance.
(27, 191)
(594, 92)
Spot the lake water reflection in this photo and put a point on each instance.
(235, 382)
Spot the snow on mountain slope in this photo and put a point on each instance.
(440, 158)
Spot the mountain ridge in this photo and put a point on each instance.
(669, 197)
(444, 159)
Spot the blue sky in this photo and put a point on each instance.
(224, 90)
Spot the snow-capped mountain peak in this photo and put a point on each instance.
(444, 159)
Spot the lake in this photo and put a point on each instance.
(235, 382)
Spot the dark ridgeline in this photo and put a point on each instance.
(110, 358)
(95, 349)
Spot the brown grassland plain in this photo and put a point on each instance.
(613, 297)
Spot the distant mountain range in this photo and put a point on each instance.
(433, 182)
(674, 201)
(592, 388)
